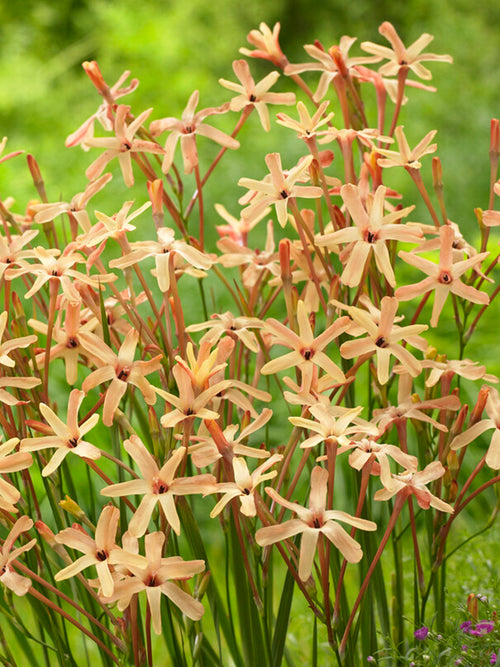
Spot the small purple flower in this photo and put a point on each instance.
(370, 658)
(465, 648)
(421, 633)
(493, 659)
(479, 629)
(485, 627)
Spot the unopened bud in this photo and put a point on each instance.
(494, 139)
(477, 411)
(284, 256)
(338, 58)
(155, 189)
(458, 424)
(45, 533)
(70, 506)
(94, 73)
(472, 605)
(437, 173)
(339, 219)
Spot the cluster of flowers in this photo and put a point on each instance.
(334, 269)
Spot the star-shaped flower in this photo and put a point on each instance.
(405, 156)
(186, 129)
(158, 485)
(8, 576)
(312, 522)
(157, 578)
(279, 188)
(410, 483)
(444, 277)
(67, 437)
(493, 421)
(399, 56)
(122, 145)
(383, 339)
(370, 232)
(121, 369)
(307, 351)
(256, 95)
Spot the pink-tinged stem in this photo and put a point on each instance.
(32, 575)
(149, 647)
(402, 75)
(417, 179)
(53, 289)
(401, 425)
(365, 477)
(136, 642)
(244, 115)
(177, 309)
(325, 584)
(48, 603)
(398, 506)
(199, 190)
(267, 519)
(244, 553)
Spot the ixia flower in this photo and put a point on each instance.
(493, 411)
(104, 113)
(413, 483)
(11, 462)
(8, 346)
(256, 262)
(121, 369)
(161, 251)
(122, 145)
(100, 551)
(332, 63)
(76, 208)
(67, 336)
(156, 578)
(334, 425)
(52, 267)
(8, 576)
(115, 226)
(368, 450)
(279, 189)
(399, 56)
(244, 485)
(11, 249)
(66, 437)
(444, 277)
(226, 323)
(312, 522)
(206, 450)
(307, 351)
(255, 95)
(158, 485)
(189, 404)
(383, 339)
(267, 45)
(186, 129)
(369, 234)
(405, 157)
(307, 126)
(411, 407)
